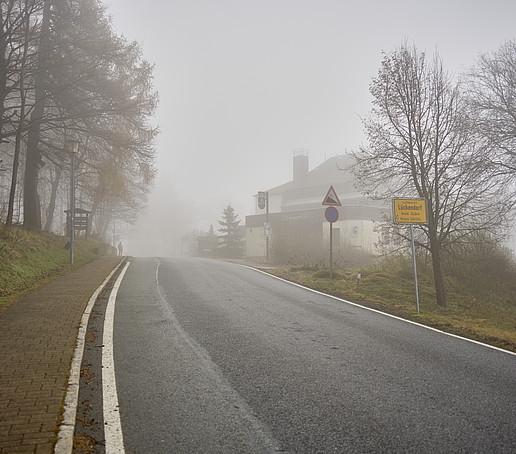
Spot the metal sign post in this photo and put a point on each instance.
(331, 200)
(263, 202)
(332, 215)
(415, 268)
(331, 250)
(268, 232)
(411, 211)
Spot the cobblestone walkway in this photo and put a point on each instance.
(37, 342)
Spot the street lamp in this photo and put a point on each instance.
(72, 146)
(263, 202)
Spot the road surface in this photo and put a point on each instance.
(215, 357)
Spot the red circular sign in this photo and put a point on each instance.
(331, 214)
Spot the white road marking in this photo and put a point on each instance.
(382, 313)
(112, 425)
(64, 443)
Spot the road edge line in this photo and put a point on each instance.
(382, 313)
(112, 425)
(64, 444)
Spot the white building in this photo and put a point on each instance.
(299, 232)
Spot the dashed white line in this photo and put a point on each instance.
(112, 426)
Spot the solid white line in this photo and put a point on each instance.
(383, 313)
(64, 443)
(112, 425)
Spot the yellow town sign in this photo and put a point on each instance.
(409, 211)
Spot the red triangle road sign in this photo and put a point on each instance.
(331, 198)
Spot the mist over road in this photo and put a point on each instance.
(214, 357)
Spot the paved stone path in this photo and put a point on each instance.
(37, 342)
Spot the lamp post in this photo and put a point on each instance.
(72, 147)
(263, 202)
(268, 225)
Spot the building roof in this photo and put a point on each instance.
(335, 170)
(308, 189)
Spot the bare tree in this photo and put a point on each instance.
(492, 84)
(63, 71)
(33, 160)
(17, 83)
(421, 145)
(102, 91)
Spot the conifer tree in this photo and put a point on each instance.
(211, 231)
(231, 238)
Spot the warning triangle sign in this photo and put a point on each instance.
(331, 198)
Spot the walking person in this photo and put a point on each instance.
(120, 248)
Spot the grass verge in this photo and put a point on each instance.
(28, 260)
(485, 312)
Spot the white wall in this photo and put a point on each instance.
(358, 234)
(255, 242)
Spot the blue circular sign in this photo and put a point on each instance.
(331, 214)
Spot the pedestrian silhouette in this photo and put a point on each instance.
(120, 248)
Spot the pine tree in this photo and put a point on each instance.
(230, 235)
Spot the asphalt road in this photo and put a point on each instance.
(212, 357)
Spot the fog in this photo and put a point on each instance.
(243, 84)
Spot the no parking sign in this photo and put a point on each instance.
(331, 214)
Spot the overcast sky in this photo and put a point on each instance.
(245, 83)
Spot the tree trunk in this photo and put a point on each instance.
(3, 74)
(93, 213)
(16, 161)
(435, 250)
(21, 123)
(31, 207)
(31, 203)
(52, 204)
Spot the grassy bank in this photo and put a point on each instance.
(482, 308)
(29, 260)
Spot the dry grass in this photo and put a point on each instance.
(30, 259)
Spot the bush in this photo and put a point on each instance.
(482, 265)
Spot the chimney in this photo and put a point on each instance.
(300, 164)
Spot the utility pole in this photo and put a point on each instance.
(263, 202)
(268, 232)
